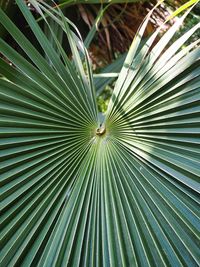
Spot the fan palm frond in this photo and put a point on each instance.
(82, 189)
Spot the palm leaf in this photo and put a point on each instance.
(79, 191)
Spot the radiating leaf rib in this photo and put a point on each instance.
(161, 81)
(58, 94)
(147, 187)
(141, 72)
(31, 51)
(73, 44)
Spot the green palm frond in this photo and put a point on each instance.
(80, 189)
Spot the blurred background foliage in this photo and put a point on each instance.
(115, 31)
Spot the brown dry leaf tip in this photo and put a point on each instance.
(101, 130)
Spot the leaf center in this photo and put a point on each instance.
(101, 130)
